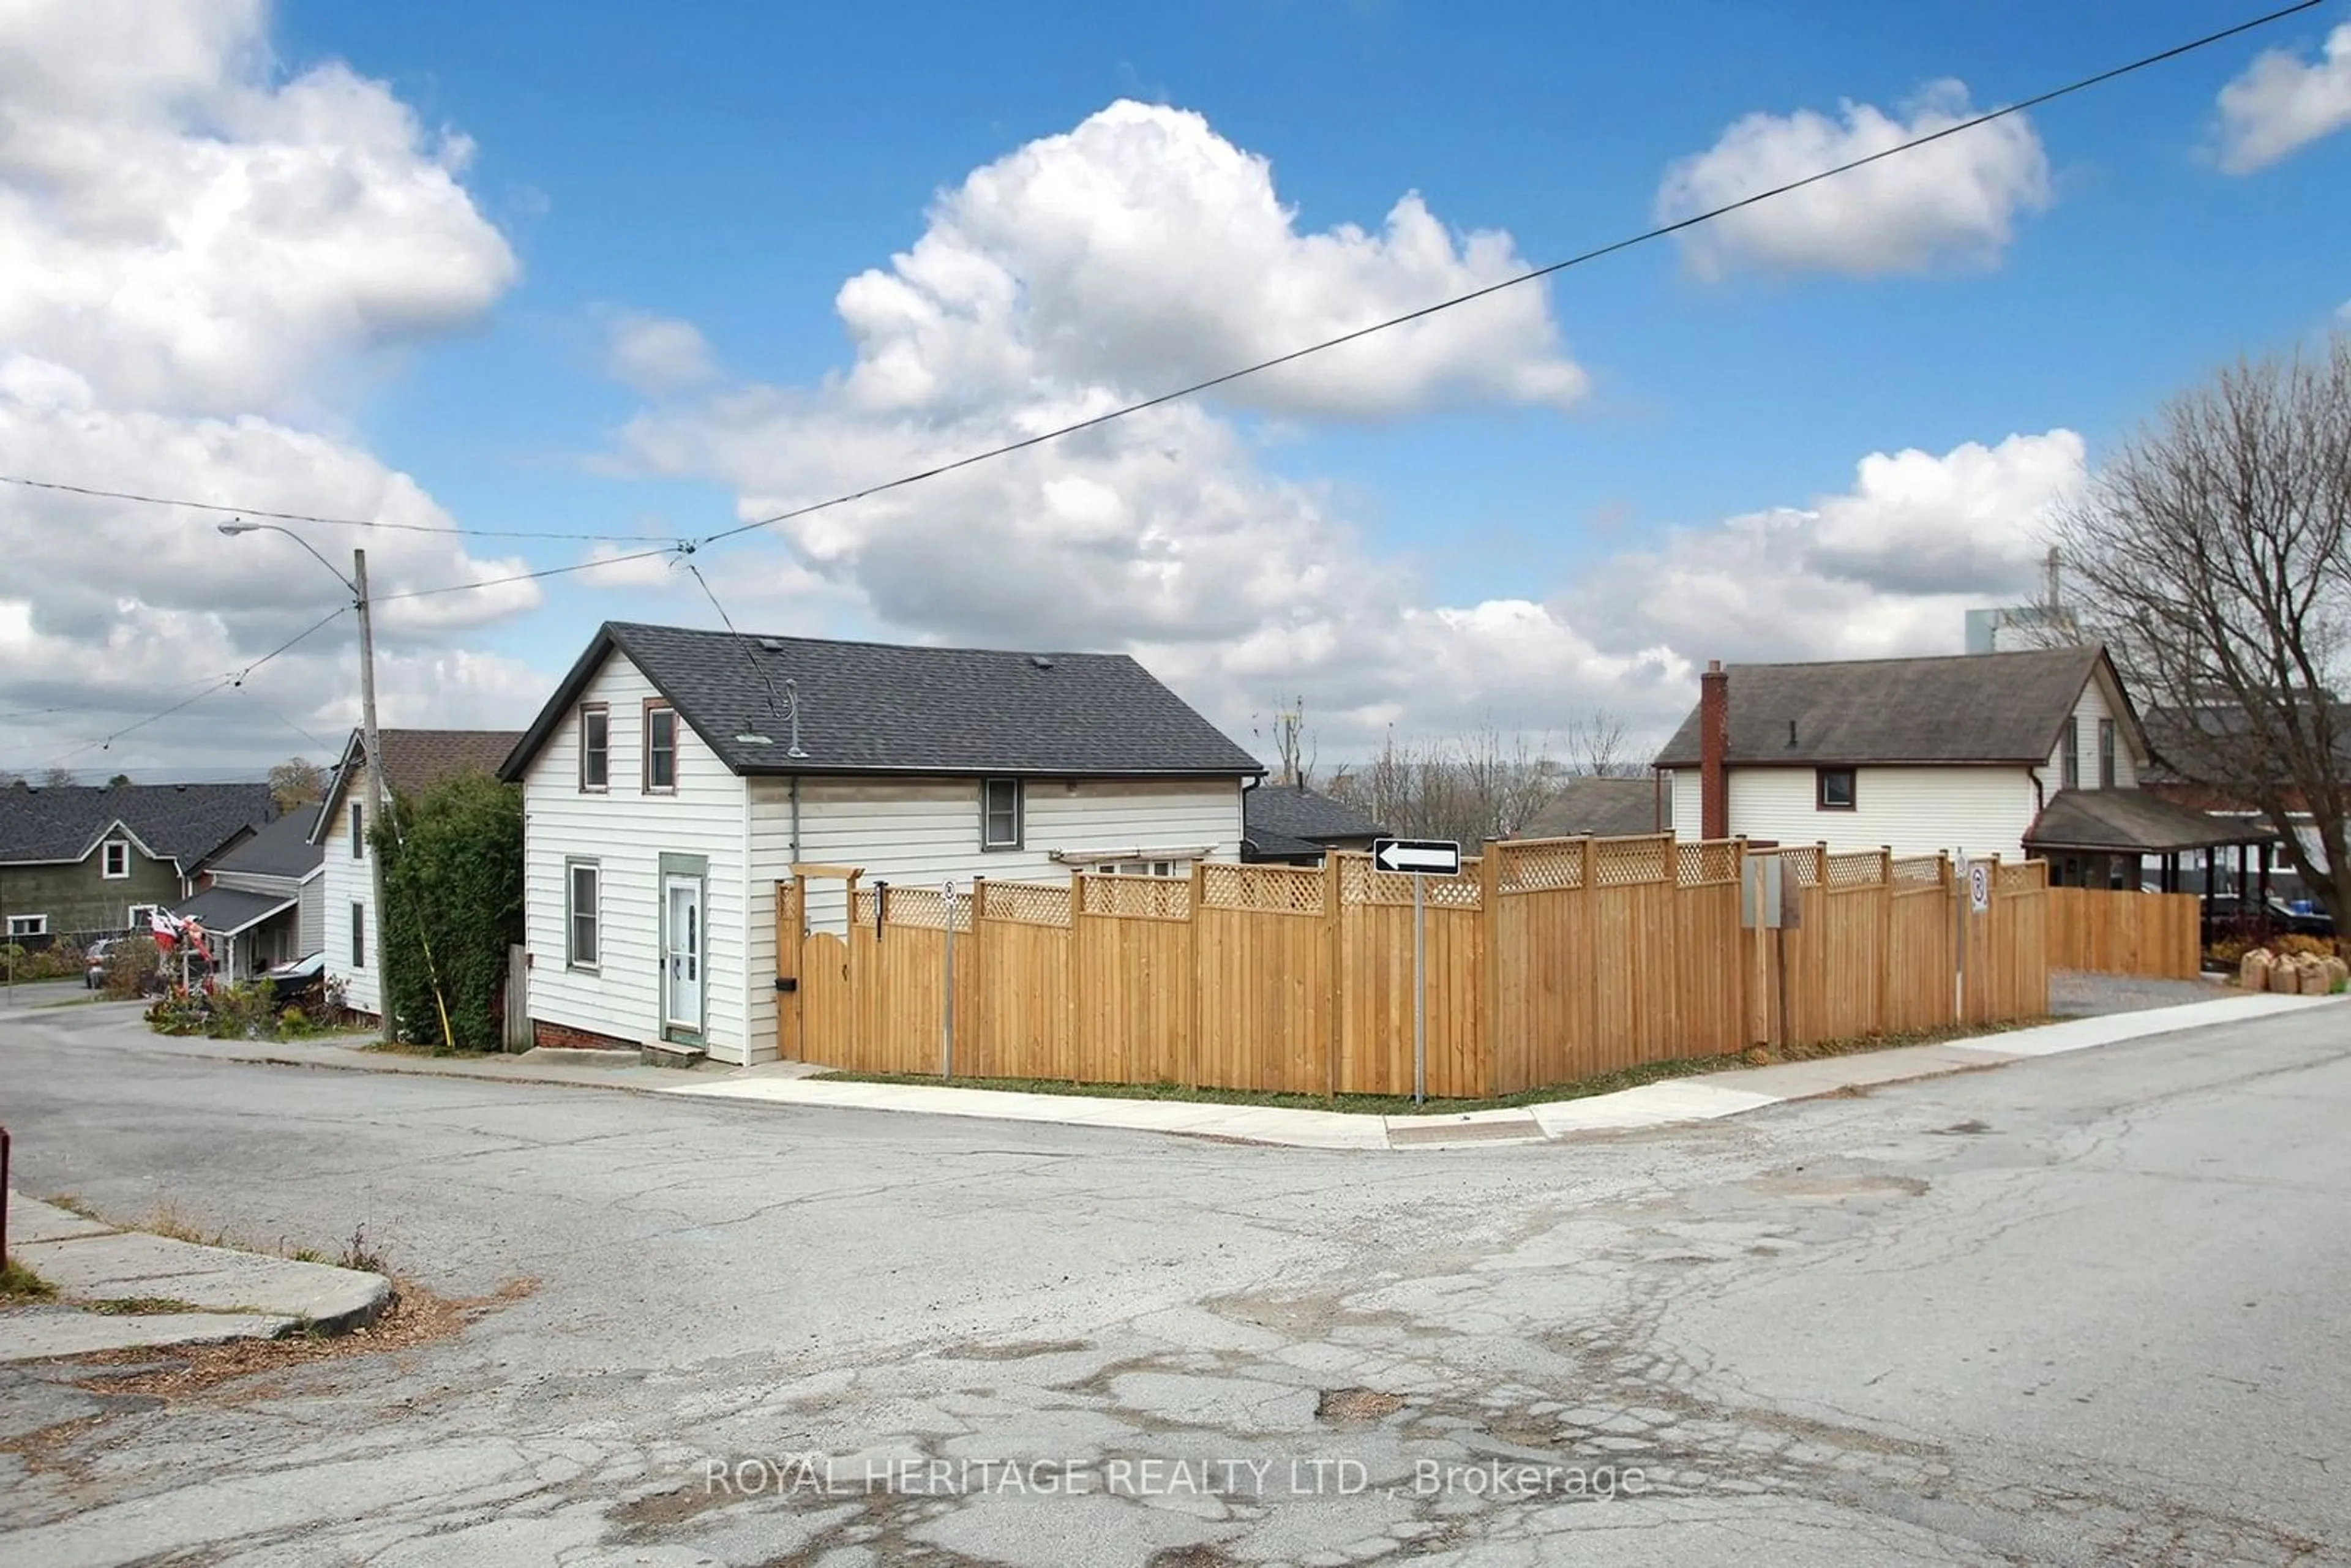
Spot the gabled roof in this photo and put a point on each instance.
(183, 823)
(1292, 819)
(880, 707)
(1599, 809)
(413, 761)
(1961, 708)
(228, 911)
(2132, 821)
(283, 848)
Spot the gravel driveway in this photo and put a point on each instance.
(2078, 993)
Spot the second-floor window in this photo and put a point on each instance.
(114, 859)
(2105, 754)
(661, 749)
(595, 746)
(359, 831)
(2070, 759)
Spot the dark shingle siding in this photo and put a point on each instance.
(1963, 709)
(184, 822)
(874, 707)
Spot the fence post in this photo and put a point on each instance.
(1590, 893)
(1334, 981)
(1487, 1045)
(1885, 1017)
(946, 979)
(1192, 977)
(980, 1037)
(1078, 1055)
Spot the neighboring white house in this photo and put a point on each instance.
(2029, 752)
(414, 761)
(264, 902)
(677, 776)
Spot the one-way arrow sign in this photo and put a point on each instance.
(1428, 857)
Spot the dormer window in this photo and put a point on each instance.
(114, 859)
(2105, 754)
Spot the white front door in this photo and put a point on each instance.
(682, 987)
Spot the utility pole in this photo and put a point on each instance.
(375, 789)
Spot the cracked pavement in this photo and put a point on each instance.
(2084, 1310)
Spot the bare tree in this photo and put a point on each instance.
(1481, 785)
(57, 778)
(2214, 556)
(1597, 747)
(1293, 745)
(297, 781)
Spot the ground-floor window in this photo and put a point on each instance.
(583, 896)
(28, 925)
(359, 935)
(140, 917)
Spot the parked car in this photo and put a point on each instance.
(296, 984)
(93, 974)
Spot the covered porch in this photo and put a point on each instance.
(2128, 839)
(248, 932)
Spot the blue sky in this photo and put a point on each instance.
(730, 168)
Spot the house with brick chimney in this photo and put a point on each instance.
(2036, 753)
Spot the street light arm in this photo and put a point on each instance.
(246, 528)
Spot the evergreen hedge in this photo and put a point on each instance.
(452, 882)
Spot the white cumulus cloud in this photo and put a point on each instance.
(2281, 103)
(1955, 201)
(194, 245)
(656, 354)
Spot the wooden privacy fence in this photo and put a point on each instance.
(1546, 961)
(2127, 932)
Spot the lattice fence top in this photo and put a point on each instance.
(1134, 897)
(1281, 889)
(1028, 903)
(919, 909)
(1856, 868)
(1708, 862)
(1627, 863)
(2023, 876)
(1538, 865)
(1361, 882)
(1800, 863)
(1917, 868)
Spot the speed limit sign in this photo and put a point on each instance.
(1980, 885)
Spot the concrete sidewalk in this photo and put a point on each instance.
(1691, 1099)
(215, 1293)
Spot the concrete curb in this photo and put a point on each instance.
(1700, 1098)
(229, 1294)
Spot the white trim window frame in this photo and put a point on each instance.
(595, 721)
(27, 925)
(359, 935)
(359, 830)
(114, 860)
(583, 927)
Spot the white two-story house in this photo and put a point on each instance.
(2033, 753)
(413, 761)
(677, 776)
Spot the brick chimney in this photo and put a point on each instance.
(1713, 750)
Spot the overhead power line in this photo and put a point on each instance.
(1646, 236)
(228, 510)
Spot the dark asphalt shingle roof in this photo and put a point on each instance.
(1292, 819)
(2132, 821)
(1599, 809)
(281, 849)
(878, 707)
(182, 822)
(226, 911)
(1965, 707)
(416, 759)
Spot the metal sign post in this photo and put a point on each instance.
(1419, 859)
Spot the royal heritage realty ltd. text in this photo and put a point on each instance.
(826, 1476)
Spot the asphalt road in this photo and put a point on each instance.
(2084, 1310)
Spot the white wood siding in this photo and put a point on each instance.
(920, 832)
(344, 882)
(627, 832)
(1684, 812)
(2097, 701)
(310, 929)
(1912, 811)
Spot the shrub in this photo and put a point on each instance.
(240, 1012)
(2302, 947)
(133, 965)
(178, 1012)
(58, 961)
(453, 891)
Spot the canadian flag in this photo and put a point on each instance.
(166, 927)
